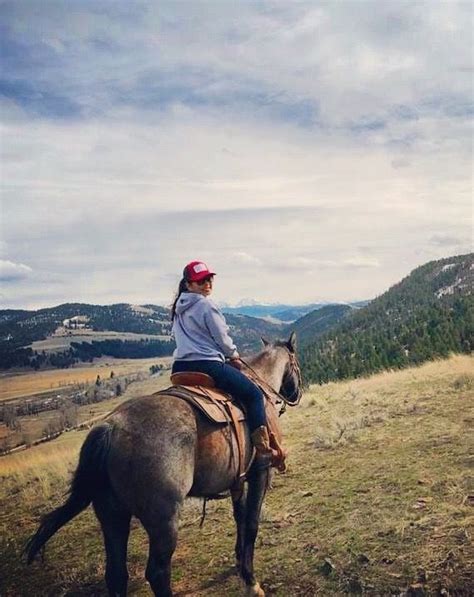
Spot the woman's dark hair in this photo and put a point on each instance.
(181, 288)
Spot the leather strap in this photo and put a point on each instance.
(241, 470)
(282, 454)
(220, 404)
(240, 441)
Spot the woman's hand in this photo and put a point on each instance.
(235, 362)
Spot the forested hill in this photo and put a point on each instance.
(313, 324)
(18, 328)
(428, 314)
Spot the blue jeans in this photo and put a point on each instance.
(231, 380)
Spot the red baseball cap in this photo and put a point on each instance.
(196, 271)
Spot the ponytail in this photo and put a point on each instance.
(181, 288)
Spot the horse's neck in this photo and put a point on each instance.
(270, 368)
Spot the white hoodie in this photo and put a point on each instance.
(200, 330)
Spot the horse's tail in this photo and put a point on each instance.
(89, 480)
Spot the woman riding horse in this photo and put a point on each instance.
(203, 344)
(152, 452)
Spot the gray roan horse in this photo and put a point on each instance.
(151, 453)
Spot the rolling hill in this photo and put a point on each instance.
(377, 501)
(284, 313)
(77, 331)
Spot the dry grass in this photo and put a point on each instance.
(378, 500)
(345, 408)
(35, 473)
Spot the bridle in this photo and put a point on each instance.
(294, 369)
(268, 390)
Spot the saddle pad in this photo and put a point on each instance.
(212, 403)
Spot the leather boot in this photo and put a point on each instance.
(264, 452)
(280, 462)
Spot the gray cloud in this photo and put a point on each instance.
(306, 150)
(10, 272)
(332, 62)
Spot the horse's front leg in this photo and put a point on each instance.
(257, 487)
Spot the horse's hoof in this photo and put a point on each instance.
(255, 591)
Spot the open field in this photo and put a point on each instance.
(33, 427)
(378, 500)
(16, 385)
(62, 341)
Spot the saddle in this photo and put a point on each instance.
(198, 389)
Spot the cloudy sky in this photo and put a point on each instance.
(307, 151)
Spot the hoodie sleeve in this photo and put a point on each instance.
(219, 329)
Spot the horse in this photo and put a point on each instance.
(151, 453)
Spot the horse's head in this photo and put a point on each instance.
(291, 388)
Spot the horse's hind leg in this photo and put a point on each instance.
(257, 487)
(115, 523)
(163, 535)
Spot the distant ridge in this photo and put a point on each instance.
(281, 312)
(428, 314)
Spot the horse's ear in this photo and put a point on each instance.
(292, 342)
(265, 342)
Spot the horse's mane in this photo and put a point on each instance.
(254, 359)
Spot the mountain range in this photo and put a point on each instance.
(427, 314)
(62, 335)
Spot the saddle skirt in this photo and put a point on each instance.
(198, 389)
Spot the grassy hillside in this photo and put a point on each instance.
(378, 500)
(28, 383)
